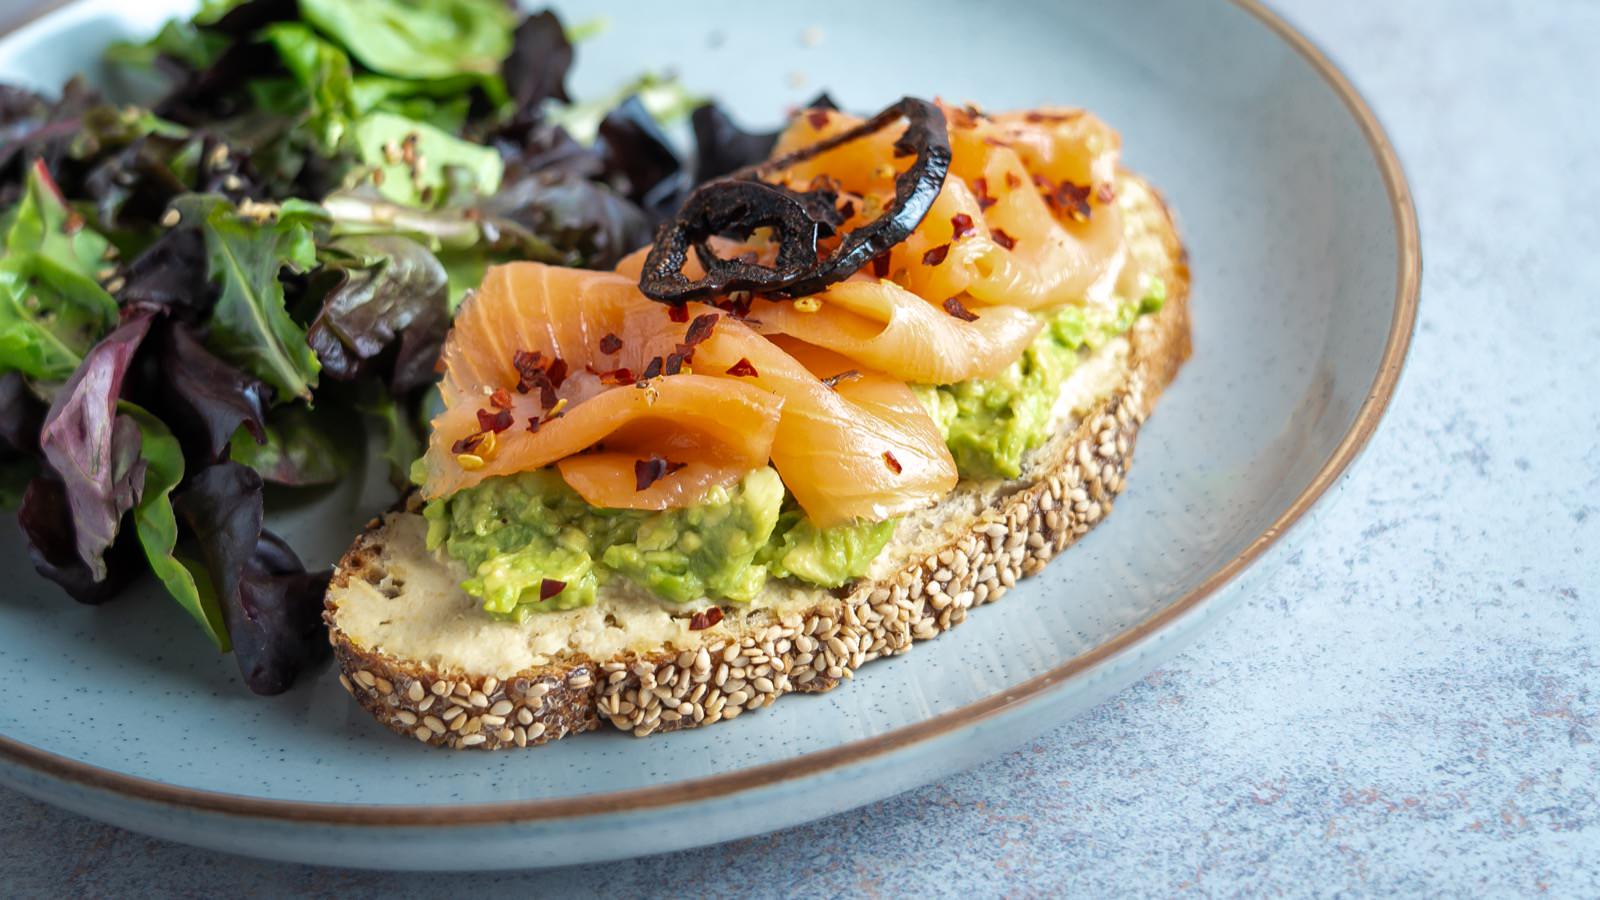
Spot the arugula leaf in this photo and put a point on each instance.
(413, 157)
(157, 525)
(412, 40)
(301, 449)
(390, 293)
(250, 325)
(94, 450)
(51, 307)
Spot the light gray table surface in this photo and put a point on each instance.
(1409, 704)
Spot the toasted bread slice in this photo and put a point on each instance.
(420, 655)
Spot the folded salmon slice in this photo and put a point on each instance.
(594, 324)
(845, 453)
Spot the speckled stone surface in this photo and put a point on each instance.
(1410, 704)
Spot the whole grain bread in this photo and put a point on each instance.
(637, 666)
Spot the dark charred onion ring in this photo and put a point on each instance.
(737, 204)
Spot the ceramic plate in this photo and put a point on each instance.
(1304, 253)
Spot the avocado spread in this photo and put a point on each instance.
(531, 544)
(989, 423)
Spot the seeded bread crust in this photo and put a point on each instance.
(1067, 488)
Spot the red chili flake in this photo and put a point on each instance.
(1035, 116)
(1012, 181)
(954, 307)
(700, 329)
(500, 399)
(880, 265)
(467, 444)
(700, 621)
(557, 372)
(678, 312)
(847, 209)
(651, 370)
(892, 463)
(833, 381)
(550, 587)
(936, 255)
(743, 369)
(533, 424)
(674, 363)
(618, 376)
(495, 420)
(981, 186)
(1003, 239)
(817, 118)
(610, 344)
(648, 471)
(1105, 193)
(961, 224)
(1066, 198)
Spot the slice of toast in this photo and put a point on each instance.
(420, 655)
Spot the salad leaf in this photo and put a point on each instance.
(536, 69)
(413, 157)
(722, 146)
(93, 449)
(272, 606)
(178, 40)
(663, 96)
(323, 72)
(208, 400)
(51, 307)
(46, 519)
(21, 414)
(171, 274)
(157, 525)
(410, 40)
(391, 293)
(39, 132)
(250, 324)
(399, 431)
(639, 160)
(301, 450)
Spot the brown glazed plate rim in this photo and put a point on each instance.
(1402, 325)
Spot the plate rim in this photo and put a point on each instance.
(1368, 416)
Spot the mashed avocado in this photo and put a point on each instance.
(529, 536)
(989, 423)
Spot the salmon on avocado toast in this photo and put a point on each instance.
(850, 392)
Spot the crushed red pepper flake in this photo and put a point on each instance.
(743, 369)
(880, 265)
(495, 420)
(534, 422)
(817, 118)
(610, 343)
(648, 471)
(936, 255)
(557, 372)
(652, 369)
(700, 621)
(833, 381)
(500, 399)
(1036, 116)
(1066, 198)
(1003, 239)
(980, 187)
(847, 209)
(678, 312)
(892, 463)
(956, 308)
(961, 224)
(550, 587)
(467, 444)
(674, 363)
(700, 329)
(1012, 181)
(1105, 193)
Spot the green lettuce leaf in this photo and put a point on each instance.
(251, 325)
(52, 308)
(413, 40)
(324, 73)
(413, 159)
(302, 448)
(157, 526)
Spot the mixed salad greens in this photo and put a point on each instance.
(202, 288)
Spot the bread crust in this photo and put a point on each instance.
(1068, 489)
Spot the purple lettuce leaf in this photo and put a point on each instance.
(92, 449)
(386, 308)
(536, 69)
(272, 606)
(205, 400)
(46, 518)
